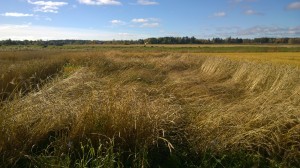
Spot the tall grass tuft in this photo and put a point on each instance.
(22, 72)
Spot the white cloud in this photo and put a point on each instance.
(6, 27)
(116, 21)
(47, 6)
(252, 12)
(147, 2)
(146, 22)
(141, 20)
(32, 32)
(150, 25)
(15, 14)
(123, 34)
(220, 14)
(270, 31)
(258, 31)
(294, 6)
(100, 2)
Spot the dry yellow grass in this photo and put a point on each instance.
(286, 58)
(151, 104)
(24, 71)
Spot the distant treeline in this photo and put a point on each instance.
(160, 40)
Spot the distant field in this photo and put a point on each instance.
(160, 106)
(287, 58)
(165, 48)
(285, 54)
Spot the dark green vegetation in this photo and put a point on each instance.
(159, 40)
(139, 107)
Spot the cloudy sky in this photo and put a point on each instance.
(134, 19)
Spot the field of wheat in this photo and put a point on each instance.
(110, 108)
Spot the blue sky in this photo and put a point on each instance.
(134, 19)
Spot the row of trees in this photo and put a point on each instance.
(229, 40)
(160, 40)
(47, 42)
